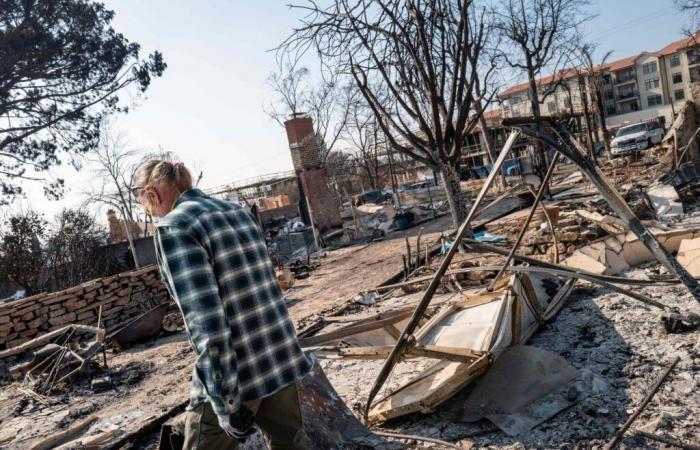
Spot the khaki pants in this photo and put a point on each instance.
(278, 417)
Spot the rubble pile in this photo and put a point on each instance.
(553, 326)
(474, 311)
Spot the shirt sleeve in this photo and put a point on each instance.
(190, 278)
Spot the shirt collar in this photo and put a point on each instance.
(189, 194)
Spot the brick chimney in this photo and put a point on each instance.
(312, 178)
(116, 230)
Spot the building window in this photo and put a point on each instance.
(649, 67)
(679, 94)
(675, 60)
(610, 110)
(651, 83)
(654, 100)
(551, 107)
(609, 95)
(677, 77)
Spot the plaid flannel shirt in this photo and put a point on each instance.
(215, 264)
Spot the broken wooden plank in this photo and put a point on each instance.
(43, 339)
(58, 438)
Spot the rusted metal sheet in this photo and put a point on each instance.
(144, 326)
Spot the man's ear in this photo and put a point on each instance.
(151, 190)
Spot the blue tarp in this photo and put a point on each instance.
(510, 167)
(485, 236)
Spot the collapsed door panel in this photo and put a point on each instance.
(467, 335)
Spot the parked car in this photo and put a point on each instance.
(376, 196)
(639, 136)
(427, 183)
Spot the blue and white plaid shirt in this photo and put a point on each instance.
(215, 264)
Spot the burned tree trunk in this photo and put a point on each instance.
(457, 199)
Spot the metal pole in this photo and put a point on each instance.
(417, 316)
(131, 242)
(311, 219)
(659, 381)
(538, 198)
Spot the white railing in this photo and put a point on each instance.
(250, 182)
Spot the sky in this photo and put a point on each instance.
(208, 106)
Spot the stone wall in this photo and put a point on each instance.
(122, 296)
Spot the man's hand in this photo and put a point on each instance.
(238, 425)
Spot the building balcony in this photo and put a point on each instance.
(625, 79)
(627, 96)
(693, 58)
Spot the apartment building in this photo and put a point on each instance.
(645, 86)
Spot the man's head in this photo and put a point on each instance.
(157, 184)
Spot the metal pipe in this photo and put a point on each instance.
(417, 316)
(659, 381)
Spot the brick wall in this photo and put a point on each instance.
(122, 296)
(302, 143)
(324, 205)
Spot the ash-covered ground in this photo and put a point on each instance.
(617, 341)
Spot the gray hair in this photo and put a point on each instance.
(156, 171)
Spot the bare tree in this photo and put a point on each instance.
(691, 11)
(364, 138)
(289, 83)
(415, 64)
(487, 85)
(114, 165)
(593, 75)
(341, 168)
(541, 36)
(322, 102)
(75, 251)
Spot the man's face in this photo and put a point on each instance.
(141, 198)
(156, 199)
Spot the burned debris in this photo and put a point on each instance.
(451, 322)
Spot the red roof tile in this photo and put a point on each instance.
(565, 74)
(675, 46)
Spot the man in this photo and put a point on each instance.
(214, 262)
